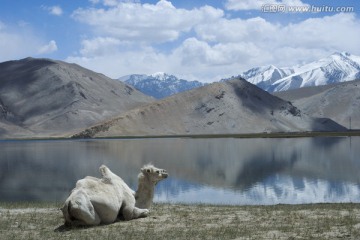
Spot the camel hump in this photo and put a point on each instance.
(103, 169)
(106, 174)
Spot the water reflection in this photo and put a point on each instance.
(220, 171)
(274, 190)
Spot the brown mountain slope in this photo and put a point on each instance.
(234, 106)
(42, 97)
(340, 102)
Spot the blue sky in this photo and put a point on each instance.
(204, 40)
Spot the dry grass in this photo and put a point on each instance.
(319, 221)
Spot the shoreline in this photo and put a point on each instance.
(350, 133)
(178, 221)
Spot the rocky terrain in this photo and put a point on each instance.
(340, 102)
(43, 97)
(234, 106)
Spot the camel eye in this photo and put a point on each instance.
(148, 170)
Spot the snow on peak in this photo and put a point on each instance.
(160, 84)
(159, 75)
(342, 54)
(338, 67)
(265, 74)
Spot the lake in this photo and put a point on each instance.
(216, 171)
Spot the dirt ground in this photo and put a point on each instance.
(167, 221)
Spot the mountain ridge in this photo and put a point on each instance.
(340, 101)
(48, 97)
(44, 97)
(338, 67)
(234, 106)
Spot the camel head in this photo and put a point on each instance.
(154, 174)
(149, 176)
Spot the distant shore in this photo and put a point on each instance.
(246, 135)
(167, 221)
(349, 133)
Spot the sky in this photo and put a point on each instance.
(194, 40)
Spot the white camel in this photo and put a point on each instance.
(97, 201)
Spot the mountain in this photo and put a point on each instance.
(234, 106)
(159, 85)
(266, 76)
(43, 97)
(340, 102)
(338, 67)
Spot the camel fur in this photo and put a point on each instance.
(148, 178)
(97, 201)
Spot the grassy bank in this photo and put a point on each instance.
(319, 221)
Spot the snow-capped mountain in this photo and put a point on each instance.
(159, 85)
(338, 67)
(266, 75)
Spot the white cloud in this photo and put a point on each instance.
(99, 46)
(20, 42)
(212, 62)
(116, 2)
(287, 43)
(48, 48)
(193, 59)
(53, 10)
(257, 4)
(194, 52)
(110, 2)
(127, 39)
(235, 30)
(337, 32)
(113, 2)
(151, 23)
(118, 63)
(2, 26)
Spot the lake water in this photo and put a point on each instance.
(216, 171)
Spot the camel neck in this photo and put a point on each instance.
(145, 193)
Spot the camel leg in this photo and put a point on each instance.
(140, 213)
(81, 210)
(134, 212)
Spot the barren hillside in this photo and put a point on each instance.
(340, 102)
(42, 97)
(235, 106)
